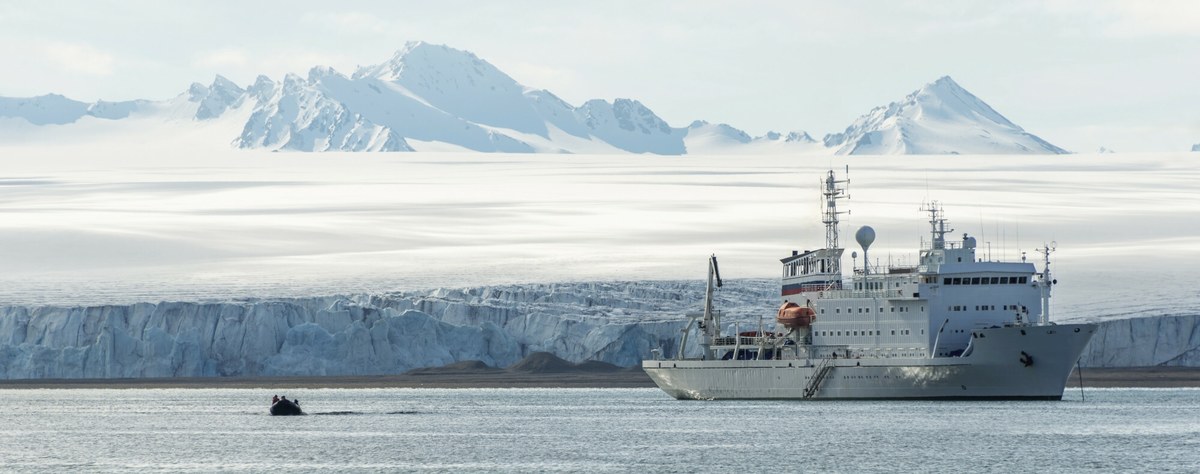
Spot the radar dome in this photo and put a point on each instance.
(865, 236)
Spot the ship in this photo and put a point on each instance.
(958, 325)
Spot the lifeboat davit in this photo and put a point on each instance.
(792, 315)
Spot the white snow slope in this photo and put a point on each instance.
(435, 98)
(940, 118)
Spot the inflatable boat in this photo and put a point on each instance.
(285, 407)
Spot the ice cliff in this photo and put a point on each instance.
(619, 323)
(1142, 342)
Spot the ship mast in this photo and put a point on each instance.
(1046, 280)
(831, 192)
(937, 226)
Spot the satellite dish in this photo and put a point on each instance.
(865, 237)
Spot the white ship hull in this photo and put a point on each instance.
(994, 369)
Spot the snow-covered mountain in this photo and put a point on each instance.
(54, 109)
(430, 97)
(939, 118)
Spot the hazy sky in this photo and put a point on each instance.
(1081, 74)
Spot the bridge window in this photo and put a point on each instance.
(945, 281)
(1003, 280)
(995, 280)
(975, 281)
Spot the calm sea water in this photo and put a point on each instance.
(522, 430)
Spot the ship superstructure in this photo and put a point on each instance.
(953, 326)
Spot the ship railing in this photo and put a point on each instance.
(769, 340)
(841, 294)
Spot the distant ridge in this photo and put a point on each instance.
(429, 97)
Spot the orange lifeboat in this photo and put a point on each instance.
(792, 315)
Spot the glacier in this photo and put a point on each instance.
(614, 322)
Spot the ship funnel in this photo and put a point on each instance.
(865, 237)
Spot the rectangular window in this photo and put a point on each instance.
(1003, 280)
(995, 280)
(975, 281)
(946, 281)
(893, 332)
(1023, 280)
(957, 281)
